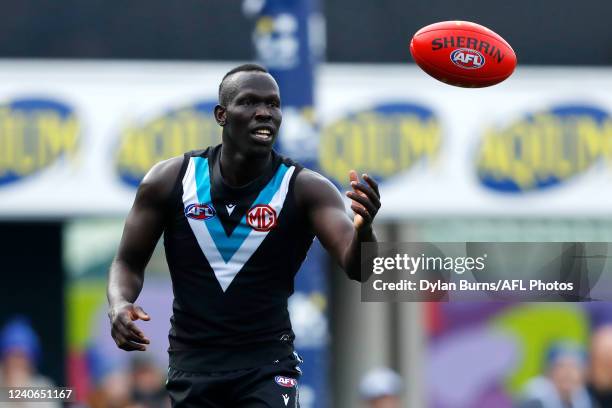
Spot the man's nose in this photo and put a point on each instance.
(262, 112)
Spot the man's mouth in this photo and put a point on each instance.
(262, 134)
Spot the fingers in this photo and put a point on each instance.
(372, 184)
(362, 212)
(126, 334)
(141, 314)
(354, 179)
(368, 192)
(127, 339)
(136, 334)
(128, 329)
(129, 345)
(364, 202)
(366, 197)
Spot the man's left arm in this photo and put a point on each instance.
(339, 235)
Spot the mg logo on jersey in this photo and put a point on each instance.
(200, 211)
(467, 58)
(285, 381)
(261, 217)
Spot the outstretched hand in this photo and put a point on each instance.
(126, 334)
(365, 199)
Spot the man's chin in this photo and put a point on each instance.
(252, 146)
(259, 146)
(267, 141)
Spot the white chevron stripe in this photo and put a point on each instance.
(226, 272)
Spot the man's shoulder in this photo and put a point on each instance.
(168, 170)
(304, 175)
(312, 187)
(158, 184)
(310, 176)
(164, 170)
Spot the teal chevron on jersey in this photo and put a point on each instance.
(228, 245)
(231, 286)
(228, 254)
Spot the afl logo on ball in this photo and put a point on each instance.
(285, 381)
(200, 211)
(261, 217)
(467, 58)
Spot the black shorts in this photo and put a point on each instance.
(269, 386)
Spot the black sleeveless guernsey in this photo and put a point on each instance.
(233, 254)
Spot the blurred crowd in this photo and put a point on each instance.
(142, 385)
(20, 352)
(574, 377)
(139, 385)
(381, 388)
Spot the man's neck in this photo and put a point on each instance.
(238, 169)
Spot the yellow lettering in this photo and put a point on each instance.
(591, 139)
(163, 138)
(607, 141)
(544, 148)
(33, 140)
(378, 144)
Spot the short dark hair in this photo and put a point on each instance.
(225, 97)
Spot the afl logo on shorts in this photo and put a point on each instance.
(285, 381)
(261, 217)
(467, 58)
(200, 211)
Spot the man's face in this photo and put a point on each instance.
(568, 375)
(252, 116)
(601, 359)
(16, 368)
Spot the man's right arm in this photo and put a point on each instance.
(143, 227)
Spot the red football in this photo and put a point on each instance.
(463, 54)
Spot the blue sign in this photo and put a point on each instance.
(284, 39)
(382, 141)
(35, 133)
(544, 149)
(171, 134)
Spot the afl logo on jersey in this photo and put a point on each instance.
(261, 217)
(285, 381)
(200, 211)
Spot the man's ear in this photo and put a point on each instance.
(220, 115)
